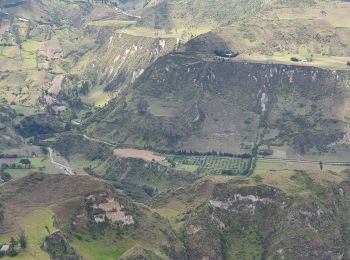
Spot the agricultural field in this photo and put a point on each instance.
(271, 165)
(108, 248)
(18, 170)
(321, 61)
(263, 165)
(135, 153)
(210, 165)
(36, 227)
(322, 30)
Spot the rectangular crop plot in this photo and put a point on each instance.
(211, 165)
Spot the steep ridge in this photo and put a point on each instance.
(208, 104)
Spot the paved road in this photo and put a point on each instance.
(67, 169)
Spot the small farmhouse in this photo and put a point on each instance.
(4, 248)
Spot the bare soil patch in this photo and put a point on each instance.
(141, 154)
(8, 160)
(56, 84)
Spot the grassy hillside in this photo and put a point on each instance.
(8, 136)
(96, 49)
(183, 16)
(288, 30)
(53, 57)
(185, 102)
(58, 205)
(219, 217)
(179, 151)
(250, 218)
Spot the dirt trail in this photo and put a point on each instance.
(127, 14)
(97, 140)
(67, 169)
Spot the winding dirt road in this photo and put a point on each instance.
(67, 169)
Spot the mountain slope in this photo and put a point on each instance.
(96, 220)
(271, 216)
(322, 29)
(48, 53)
(206, 104)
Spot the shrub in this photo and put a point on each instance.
(5, 176)
(23, 242)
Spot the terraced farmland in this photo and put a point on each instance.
(210, 165)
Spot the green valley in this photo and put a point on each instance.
(174, 129)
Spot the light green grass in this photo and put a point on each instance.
(117, 23)
(247, 245)
(34, 228)
(25, 110)
(38, 164)
(173, 216)
(19, 173)
(97, 97)
(263, 166)
(327, 62)
(186, 167)
(108, 248)
(210, 165)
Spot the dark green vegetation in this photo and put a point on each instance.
(142, 180)
(16, 245)
(8, 137)
(233, 218)
(181, 129)
(205, 105)
(39, 124)
(93, 213)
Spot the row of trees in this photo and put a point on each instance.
(8, 156)
(197, 153)
(23, 163)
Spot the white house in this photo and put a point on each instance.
(4, 248)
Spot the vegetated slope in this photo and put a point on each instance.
(185, 102)
(271, 216)
(119, 59)
(285, 214)
(55, 53)
(322, 29)
(195, 15)
(49, 48)
(95, 219)
(8, 136)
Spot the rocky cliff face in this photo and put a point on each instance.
(255, 222)
(209, 104)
